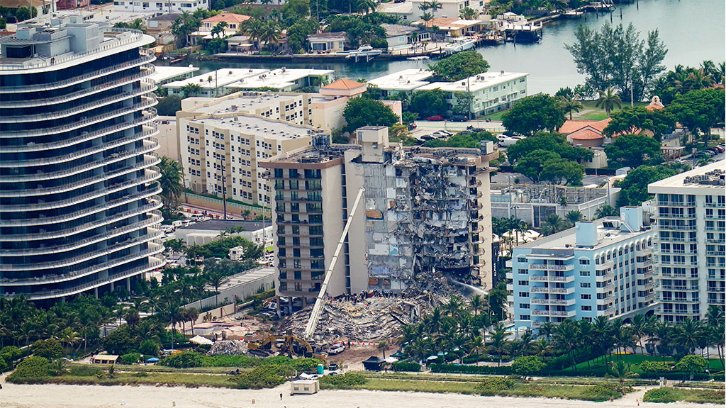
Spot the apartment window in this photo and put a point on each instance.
(584, 273)
(585, 296)
(584, 262)
(524, 294)
(523, 283)
(524, 305)
(584, 284)
(524, 317)
(586, 308)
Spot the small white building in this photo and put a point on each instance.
(207, 231)
(411, 10)
(163, 74)
(166, 6)
(224, 81)
(327, 42)
(401, 81)
(236, 253)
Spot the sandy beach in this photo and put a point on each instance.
(70, 396)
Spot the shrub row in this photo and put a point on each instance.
(467, 369)
(409, 366)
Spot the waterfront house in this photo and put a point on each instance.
(327, 42)
(411, 10)
(401, 82)
(400, 36)
(454, 26)
(232, 23)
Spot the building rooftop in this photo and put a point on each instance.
(327, 36)
(260, 127)
(448, 23)
(608, 232)
(163, 73)
(395, 30)
(224, 225)
(710, 177)
(166, 17)
(227, 18)
(279, 78)
(475, 83)
(571, 126)
(218, 78)
(396, 8)
(405, 80)
(246, 277)
(240, 102)
(85, 42)
(343, 84)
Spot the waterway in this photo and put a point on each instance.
(693, 31)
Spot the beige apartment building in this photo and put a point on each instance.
(421, 210)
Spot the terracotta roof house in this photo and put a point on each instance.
(587, 133)
(343, 87)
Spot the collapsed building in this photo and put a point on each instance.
(423, 210)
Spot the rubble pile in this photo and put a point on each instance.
(228, 347)
(371, 317)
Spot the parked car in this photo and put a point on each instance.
(336, 348)
(435, 118)
(459, 118)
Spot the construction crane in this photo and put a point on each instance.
(320, 301)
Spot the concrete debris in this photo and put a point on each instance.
(374, 316)
(228, 347)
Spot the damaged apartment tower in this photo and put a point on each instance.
(423, 210)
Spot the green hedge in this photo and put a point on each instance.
(468, 369)
(406, 366)
(31, 368)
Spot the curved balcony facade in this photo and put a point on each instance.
(78, 176)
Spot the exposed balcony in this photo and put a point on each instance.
(555, 313)
(550, 278)
(148, 162)
(150, 210)
(100, 282)
(145, 103)
(146, 71)
(41, 220)
(559, 302)
(562, 291)
(144, 89)
(34, 147)
(149, 147)
(142, 60)
(85, 257)
(144, 134)
(152, 176)
(550, 267)
(154, 249)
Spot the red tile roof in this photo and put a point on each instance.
(344, 84)
(571, 126)
(227, 18)
(586, 133)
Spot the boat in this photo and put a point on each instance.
(460, 44)
(573, 14)
(364, 52)
(419, 58)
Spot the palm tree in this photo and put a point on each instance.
(270, 33)
(216, 276)
(624, 336)
(191, 90)
(608, 100)
(69, 337)
(568, 104)
(553, 224)
(541, 347)
(476, 304)
(426, 17)
(382, 347)
(566, 338)
(218, 30)
(620, 370)
(171, 182)
(365, 6)
(641, 327)
(499, 341)
(688, 335)
(574, 216)
(192, 316)
(433, 5)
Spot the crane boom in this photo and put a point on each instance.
(320, 301)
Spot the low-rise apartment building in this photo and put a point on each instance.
(598, 268)
(691, 242)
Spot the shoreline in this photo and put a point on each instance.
(82, 396)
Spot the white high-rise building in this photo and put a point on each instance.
(691, 242)
(78, 189)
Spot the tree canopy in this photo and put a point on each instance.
(637, 118)
(460, 66)
(617, 57)
(699, 110)
(683, 79)
(466, 139)
(428, 103)
(361, 112)
(547, 141)
(533, 114)
(633, 151)
(532, 164)
(634, 188)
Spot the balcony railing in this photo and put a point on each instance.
(562, 302)
(81, 258)
(94, 284)
(550, 278)
(43, 62)
(143, 60)
(144, 134)
(552, 290)
(148, 162)
(83, 92)
(34, 147)
(154, 219)
(74, 200)
(82, 213)
(557, 313)
(715, 205)
(143, 89)
(149, 147)
(144, 104)
(549, 267)
(45, 279)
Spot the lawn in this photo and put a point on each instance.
(139, 378)
(668, 395)
(496, 116)
(484, 385)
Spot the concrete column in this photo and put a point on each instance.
(112, 287)
(128, 284)
(95, 292)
